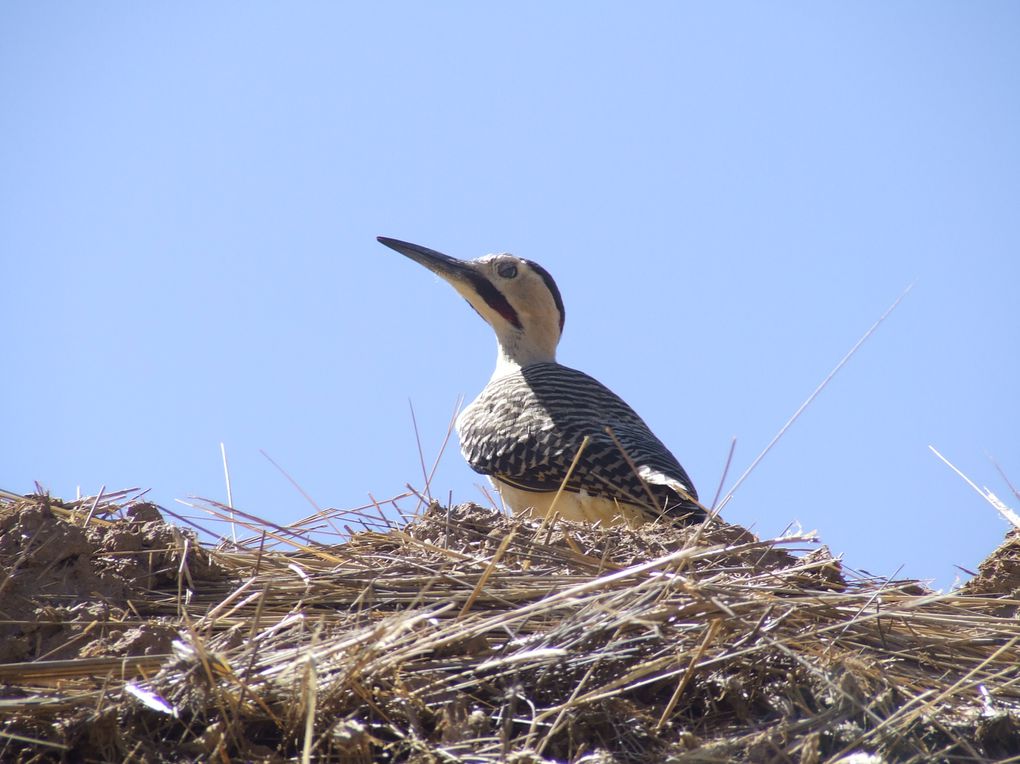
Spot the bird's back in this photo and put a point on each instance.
(525, 429)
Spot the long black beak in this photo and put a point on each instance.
(449, 268)
(462, 275)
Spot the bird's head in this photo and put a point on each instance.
(518, 299)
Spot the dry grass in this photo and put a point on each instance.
(467, 636)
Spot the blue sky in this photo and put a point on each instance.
(728, 195)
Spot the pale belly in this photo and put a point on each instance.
(576, 507)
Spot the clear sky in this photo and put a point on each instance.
(728, 195)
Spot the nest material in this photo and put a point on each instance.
(468, 636)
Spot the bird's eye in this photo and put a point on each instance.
(507, 270)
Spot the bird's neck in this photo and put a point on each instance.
(515, 353)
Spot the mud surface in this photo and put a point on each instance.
(72, 588)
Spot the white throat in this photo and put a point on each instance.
(515, 351)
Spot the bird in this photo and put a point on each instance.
(553, 440)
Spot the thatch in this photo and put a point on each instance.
(468, 636)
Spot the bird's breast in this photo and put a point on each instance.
(579, 507)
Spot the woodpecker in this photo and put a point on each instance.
(537, 425)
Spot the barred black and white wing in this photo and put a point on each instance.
(526, 428)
